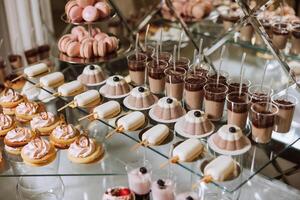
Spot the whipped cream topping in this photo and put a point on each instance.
(164, 104)
(110, 81)
(225, 134)
(42, 120)
(190, 117)
(37, 148)
(137, 94)
(5, 121)
(82, 147)
(10, 96)
(27, 108)
(113, 194)
(64, 131)
(19, 134)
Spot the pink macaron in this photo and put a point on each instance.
(85, 3)
(104, 9)
(73, 49)
(100, 36)
(79, 32)
(73, 11)
(64, 40)
(110, 44)
(90, 14)
(86, 48)
(198, 11)
(102, 48)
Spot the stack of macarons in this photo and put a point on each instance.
(87, 10)
(80, 44)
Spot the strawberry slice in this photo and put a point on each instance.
(124, 192)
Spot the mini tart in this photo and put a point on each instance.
(25, 111)
(44, 118)
(83, 143)
(16, 139)
(6, 124)
(62, 142)
(38, 152)
(10, 99)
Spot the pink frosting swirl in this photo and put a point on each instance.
(19, 134)
(5, 121)
(37, 148)
(27, 108)
(64, 131)
(10, 96)
(44, 119)
(82, 147)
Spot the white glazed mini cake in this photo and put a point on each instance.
(132, 121)
(36, 70)
(156, 135)
(106, 110)
(92, 75)
(115, 86)
(87, 98)
(140, 97)
(70, 89)
(188, 150)
(54, 79)
(168, 108)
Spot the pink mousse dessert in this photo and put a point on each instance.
(187, 196)
(163, 190)
(140, 182)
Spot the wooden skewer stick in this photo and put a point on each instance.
(110, 134)
(65, 106)
(85, 117)
(136, 146)
(205, 179)
(18, 77)
(171, 160)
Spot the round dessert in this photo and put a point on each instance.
(118, 193)
(139, 180)
(7, 123)
(38, 152)
(44, 122)
(92, 75)
(187, 196)
(16, 139)
(10, 100)
(167, 110)
(63, 136)
(85, 150)
(115, 87)
(229, 140)
(195, 124)
(25, 111)
(163, 189)
(140, 98)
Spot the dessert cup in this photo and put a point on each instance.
(63, 136)
(156, 76)
(237, 108)
(246, 32)
(229, 20)
(175, 82)
(163, 186)
(234, 85)
(201, 69)
(268, 28)
(2, 71)
(280, 35)
(214, 100)
(260, 93)
(165, 56)
(139, 179)
(212, 77)
(149, 52)
(263, 116)
(286, 104)
(181, 62)
(137, 67)
(44, 51)
(193, 90)
(15, 61)
(295, 41)
(31, 56)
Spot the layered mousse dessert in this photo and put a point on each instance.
(237, 108)
(212, 77)
(115, 87)
(214, 100)
(280, 35)
(246, 32)
(200, 69)
(165, 56)
(163, 189)
(140, 183)
(263, 117)
(140, 98)
(15, 61)
(31, 56)
(286, 105)
(229, 140)
(118, 193)
(187, 196)
(167, 109)
(193, 91)
(181, 62)
(295, 49)
(230, 18)
(234, 85)
(149, 51)
(194, 123)
(156, 76)
(260, 93)
(137, 65)
(175, 82)
(92, 75)
(268, 28)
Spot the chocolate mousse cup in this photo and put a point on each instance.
(201, 69)
(15, 61)
(268, 28)
(295, 49)
(165, 56)
(229, 21)
(156, 76)
(44, 51)
(237, 108)
(260, 94)
(175, 82)
(181, 62)
(246, 32)
(286, 104)
(234, 85)
(263, 116)
(149, 51)
(31, 56)
(212, 77)
(193, 91)
(280, 35)
(137, 66)
(2, 70)
(215, 95)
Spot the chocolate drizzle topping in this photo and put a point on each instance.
(83, 141)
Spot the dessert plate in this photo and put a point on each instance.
(127, 105)
(93, 84)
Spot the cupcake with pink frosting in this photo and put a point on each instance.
(16, 139)
(63, 136)
(85, 150)
(9, 100)
(44, 123)
(38, 152)
(25, 111)
(6, 124)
